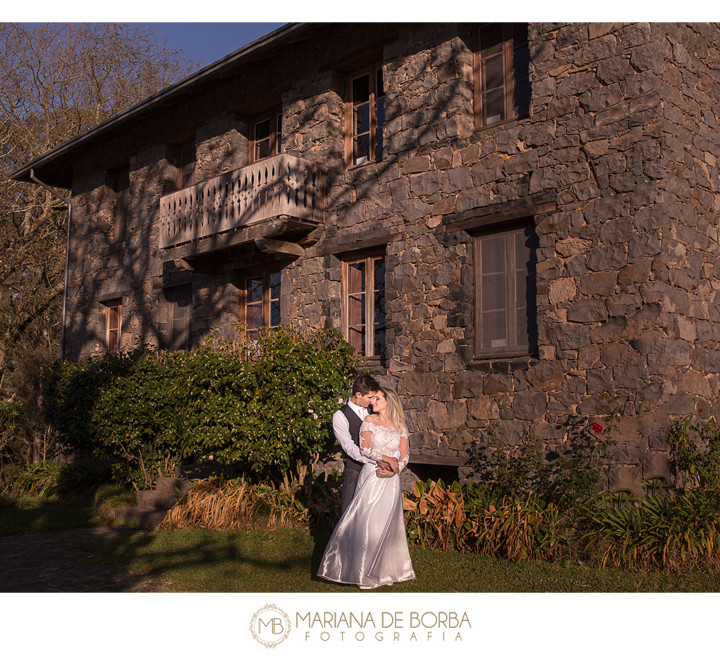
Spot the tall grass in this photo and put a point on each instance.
(53, 479)
(661, 529)
(237, 504)
(516, 530)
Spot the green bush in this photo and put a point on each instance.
(564, 475)
(260, 407)
(41, 479)
(10, 430)
(660, 529)
(53, 479)
(695, 448)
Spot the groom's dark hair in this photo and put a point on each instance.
(364, 384)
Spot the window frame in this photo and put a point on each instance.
(376, 78)
(369, 260)
(266, 273)
(507, 48)
(185, 167)
(114, 306)
(274, 137)
(512, 349)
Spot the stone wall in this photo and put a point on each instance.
(615, 165)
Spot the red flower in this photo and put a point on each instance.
(700, 411)
(596, 428)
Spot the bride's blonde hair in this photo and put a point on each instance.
(395, 412)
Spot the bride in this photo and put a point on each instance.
(368, 546)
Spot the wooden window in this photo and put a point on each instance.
(505, 305)
(122, 203)
(261, 301)
(113, 325)
(179, 317)
(502, 82)
(185, 157)
(366, 117)
(364, 305)
(267, 137)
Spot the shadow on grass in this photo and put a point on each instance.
(51, 546)
(44, 514)
(71, 557)
(218, 560)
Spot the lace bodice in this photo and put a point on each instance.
(384, 441)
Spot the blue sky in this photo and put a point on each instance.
(205, 43)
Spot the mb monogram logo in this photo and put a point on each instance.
(270, 626)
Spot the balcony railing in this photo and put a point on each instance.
(279, 185)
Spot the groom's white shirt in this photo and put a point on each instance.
(341, 427)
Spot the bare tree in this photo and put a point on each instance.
(57, 81)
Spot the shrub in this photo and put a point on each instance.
(436, 515)
(24, 434)
(217, 504)
(41, 479)
(660, 529)
(695, 448)
(515, 530)
(320, 495)
(260, 407)
(239, 504)
(564, 474)
(53, 479)
(472, 519)
(110, 496)
(12, 448)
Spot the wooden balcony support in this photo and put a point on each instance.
(270, 246)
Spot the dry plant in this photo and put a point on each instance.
(235, 505)
(516, 530)
(440, 518)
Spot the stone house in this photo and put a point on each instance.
(517, 224)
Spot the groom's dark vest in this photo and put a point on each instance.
(355, 424)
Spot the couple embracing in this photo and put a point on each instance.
(369, 547)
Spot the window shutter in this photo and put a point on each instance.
(179, 317)
(505, 308)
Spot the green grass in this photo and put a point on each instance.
(38, 514)
(286, 561)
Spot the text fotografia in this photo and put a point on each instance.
(385, 626)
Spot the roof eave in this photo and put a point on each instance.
(255, 47)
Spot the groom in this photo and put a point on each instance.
(346, 427)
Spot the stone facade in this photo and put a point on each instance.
(616, 165)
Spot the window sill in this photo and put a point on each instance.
(505, 123)
(376, 365)
(502, 363)
(252, 161)
(363, 165)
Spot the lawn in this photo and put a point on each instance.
(39, 514)
(286, 561)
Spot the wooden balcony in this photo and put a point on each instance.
(279, 186)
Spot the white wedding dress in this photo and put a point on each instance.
(369, 546)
